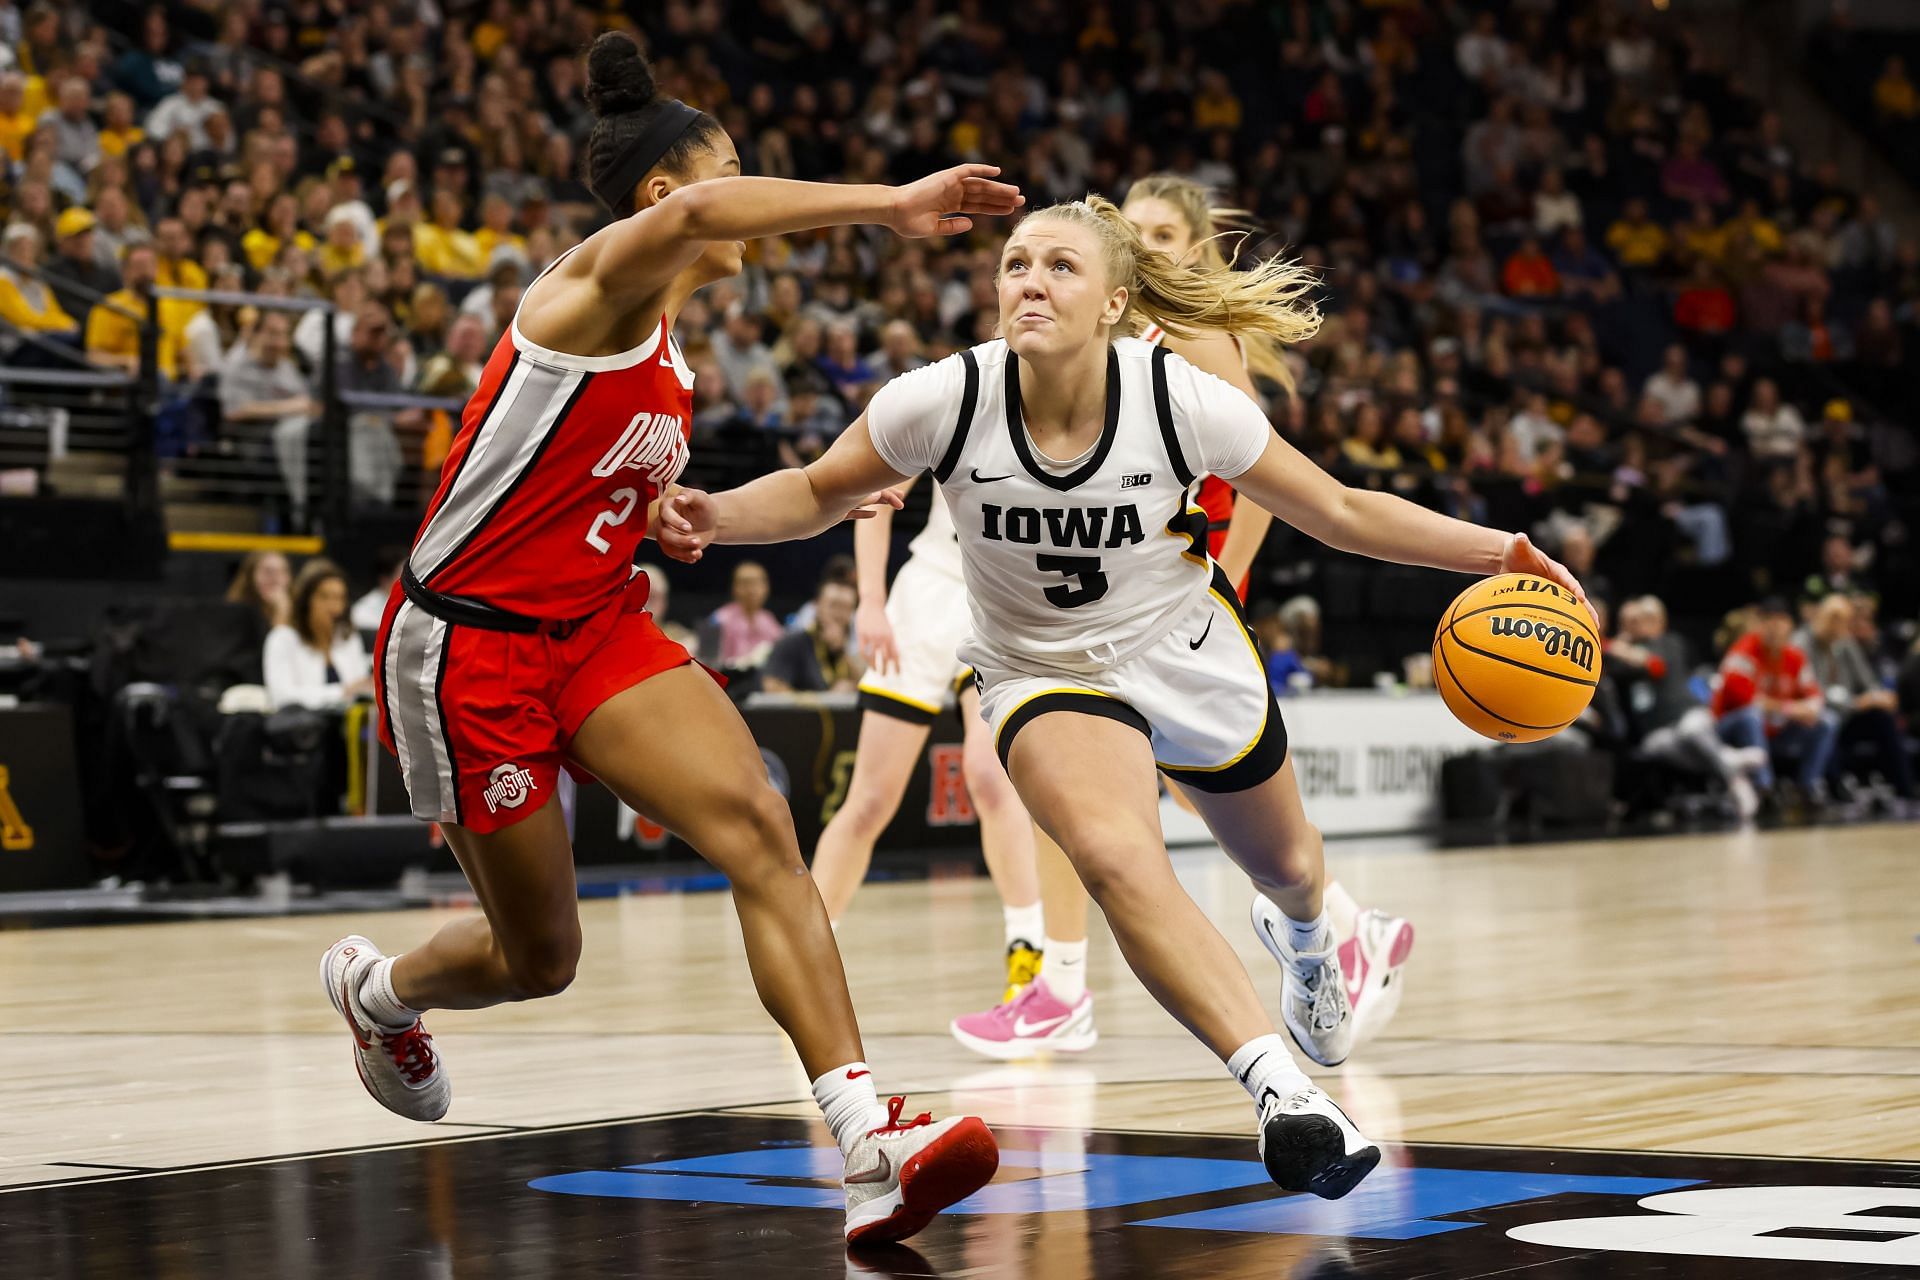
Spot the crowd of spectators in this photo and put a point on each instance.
(1578, 279)
(1563, 249)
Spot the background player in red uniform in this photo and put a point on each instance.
(514, 646)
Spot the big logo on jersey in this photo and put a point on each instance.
(653, 444)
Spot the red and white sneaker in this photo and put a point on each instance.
(1035, 1021)
(399, 1068)
(1371, 961)
(903, 1173)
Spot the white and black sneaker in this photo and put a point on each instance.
(1313, 1002)
(1308, 1144)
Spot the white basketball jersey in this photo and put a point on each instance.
(1077, 565)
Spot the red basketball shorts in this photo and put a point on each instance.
(481, 719)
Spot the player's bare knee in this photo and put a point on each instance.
(757, 842)
(1298, 859)
(987, 783)
(1115, 863)
(867, 811)
(545, 967)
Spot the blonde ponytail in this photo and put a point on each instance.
(1210, 226)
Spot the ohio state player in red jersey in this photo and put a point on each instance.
(517, 642)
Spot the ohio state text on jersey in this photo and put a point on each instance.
(544, 495)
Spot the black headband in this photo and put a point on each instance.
(662, 123)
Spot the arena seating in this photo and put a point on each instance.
(1577, 280)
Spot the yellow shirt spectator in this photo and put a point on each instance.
(117, 142)
(179, 273)
(488, 240)
(15, 127)
(1218, 109)
(487, 38)
(448, 251)
(113, 338)
(262, 246)
(26, 303)
(336, 258)
(1637, 244)
(1893, 93)
(1764, 235)
(1708, 241)
(1362, 454)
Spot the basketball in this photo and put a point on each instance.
(1516, 657)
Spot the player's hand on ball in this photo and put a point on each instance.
(877, 644)
(688, 520)
(1521, 556)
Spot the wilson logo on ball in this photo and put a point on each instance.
(1554, 640)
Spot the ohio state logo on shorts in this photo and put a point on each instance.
(508, 787)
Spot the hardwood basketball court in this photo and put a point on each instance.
(178, 1098)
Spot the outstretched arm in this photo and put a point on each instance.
(1371, 523)
(636, 256)
(849, 482)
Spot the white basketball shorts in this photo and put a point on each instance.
(928, 610)
(1200, 696)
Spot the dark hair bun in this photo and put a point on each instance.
(618, 77)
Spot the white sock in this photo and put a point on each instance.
(1263, 1064)
(848, 1103)
(1309, 937)
(1343, 913)
(1026, 924)
(1064, 966)
(378, 1001)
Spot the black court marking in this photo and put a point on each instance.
(733, 1196)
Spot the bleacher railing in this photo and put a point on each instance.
(57, 410)
(301, 471)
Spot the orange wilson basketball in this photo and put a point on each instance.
(1516, 657)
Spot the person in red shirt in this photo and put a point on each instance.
(1529, 273)
(1767, 697)
(1704, 305)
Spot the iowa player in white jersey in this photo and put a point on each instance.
(1105, 642)
(911, 635)
(1054, 1013)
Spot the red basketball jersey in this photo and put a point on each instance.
(544, 495)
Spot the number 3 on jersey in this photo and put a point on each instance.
(624, 501)
(1087, 582)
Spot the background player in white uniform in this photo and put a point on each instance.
(1055, 1014)
(1104, 643)
(911, 636)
